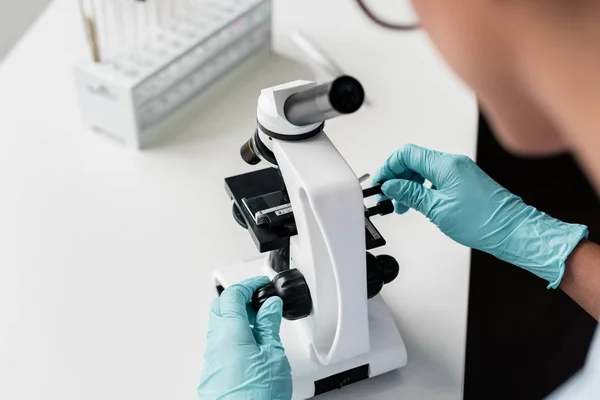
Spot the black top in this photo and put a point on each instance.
(523, 340)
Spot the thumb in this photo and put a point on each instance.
(268, 322)
(410, 194)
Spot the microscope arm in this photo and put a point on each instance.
(329, 249)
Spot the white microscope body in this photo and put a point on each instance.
(346, 337)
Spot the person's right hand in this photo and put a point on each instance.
(472, 209)
(244, 357)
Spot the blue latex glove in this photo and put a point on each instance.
(243, 361)
(472, 209)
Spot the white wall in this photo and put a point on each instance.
(15, 17)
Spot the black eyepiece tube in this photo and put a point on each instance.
(344, 95)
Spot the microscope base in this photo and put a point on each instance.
(387, 350)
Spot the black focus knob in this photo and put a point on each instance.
(389, 267)
(291, 286)
(374, 276)
(381, 270)
(238, 216)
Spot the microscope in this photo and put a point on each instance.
(306, 212)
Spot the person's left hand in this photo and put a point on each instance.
(243, 361)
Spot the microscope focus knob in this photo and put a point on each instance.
(389, 267)
(238, 216)
(374, 276)
(381, 270)
(291, 286)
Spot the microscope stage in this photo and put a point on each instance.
(265, 182)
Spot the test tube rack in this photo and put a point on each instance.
(130, 96)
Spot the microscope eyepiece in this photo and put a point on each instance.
(343, 95)
(346, 95)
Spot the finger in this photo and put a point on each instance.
(215, 313)
(215, 307)
(414, 176)
(268, 322)
(235, 298)
(388, 171)
(408, 175)
(410, 194)
(400, 208)
(251, 314)
(227, 332)
(419, 160)
(214, 334)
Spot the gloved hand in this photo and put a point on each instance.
(241, 361)
(472, 209)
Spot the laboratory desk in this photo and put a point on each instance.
(106, 254)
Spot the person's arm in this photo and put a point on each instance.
(582, 277)
(474, 210)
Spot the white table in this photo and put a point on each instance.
(106, 254)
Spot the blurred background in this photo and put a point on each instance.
(15, 18)
(122, 118)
